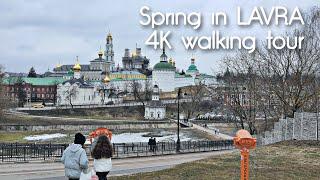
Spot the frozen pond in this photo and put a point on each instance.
(144, 137)
(123, 137)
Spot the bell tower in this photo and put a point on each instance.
(109, 52)
(155, 93)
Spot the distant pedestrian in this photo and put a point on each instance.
(102, 153)
(150, 142)
(154, 145)
(75, 158)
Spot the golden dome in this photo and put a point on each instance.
(100, 53)
(77, 66)
(106, 79)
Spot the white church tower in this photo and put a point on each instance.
(109, 54)
(193, 70)
(156, 93)
(163, 74)
(155, 109)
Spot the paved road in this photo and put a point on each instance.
(211, 132)
(203, 129)
(55, 171)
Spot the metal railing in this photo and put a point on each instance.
(21, 152)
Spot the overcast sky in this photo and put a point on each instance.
(45, 32)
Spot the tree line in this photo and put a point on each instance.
(275, 82)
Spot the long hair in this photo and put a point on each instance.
(103, 148)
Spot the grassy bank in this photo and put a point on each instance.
(78, 120)
(285, 161)
(18, 136)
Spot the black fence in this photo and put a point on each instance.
(20, 152)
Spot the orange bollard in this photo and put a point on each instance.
(244, 142)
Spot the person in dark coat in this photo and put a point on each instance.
(150, 144)
(154, 144)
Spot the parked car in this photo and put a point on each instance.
(38, 106)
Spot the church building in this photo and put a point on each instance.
(155, 109)
(97, 69)
(77, 91)
(163, 74)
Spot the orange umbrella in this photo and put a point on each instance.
(99, 132)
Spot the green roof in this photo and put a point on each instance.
(163, 66)
(70, 72)
(192, 67)
(46, 81)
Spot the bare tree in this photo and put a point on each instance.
(20, 91)
(148, 90)
(3, 100)
(274, 81)
(71, 94)
(195, 94)
(291, 73)
(241, 90)
(140, 94)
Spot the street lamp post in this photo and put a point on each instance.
(178, 140)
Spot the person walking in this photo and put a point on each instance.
(75, 158)
(102, 153)
(154, 145)
(150, 143)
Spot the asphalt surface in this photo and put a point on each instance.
(55, 171)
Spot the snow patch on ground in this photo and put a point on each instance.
(138, 137)
(44, 137)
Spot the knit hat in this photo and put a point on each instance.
(79, 139)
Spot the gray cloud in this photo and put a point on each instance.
(43, 33)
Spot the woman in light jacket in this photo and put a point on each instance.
(75, 158)
(102, 153)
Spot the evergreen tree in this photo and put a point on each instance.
(32, 73)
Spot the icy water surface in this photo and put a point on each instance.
(123, 137)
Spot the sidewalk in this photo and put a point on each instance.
(211, 132)
(55, 171)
